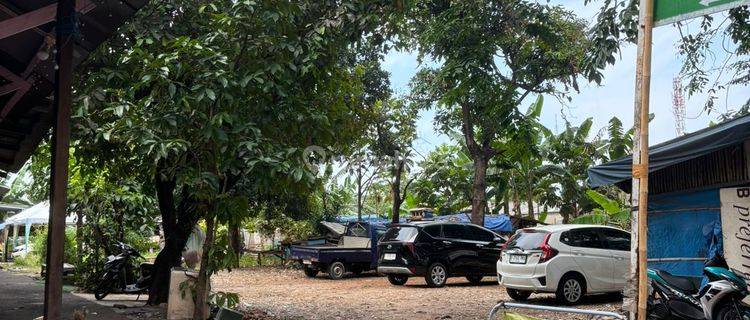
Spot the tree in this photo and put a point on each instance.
(494, 54)
(573, 154)
(445, 180)
(617, 24)
(394, 132)
(610, 212)
(216, 103)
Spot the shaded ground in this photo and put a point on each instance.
(287, 293)
(22, 297)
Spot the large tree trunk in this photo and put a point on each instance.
(177, 226)
(202, 284)
(479, 197)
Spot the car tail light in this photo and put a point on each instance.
(547, 251)
(410, 245)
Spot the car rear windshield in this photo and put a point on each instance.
(405, 234)
(527, 239)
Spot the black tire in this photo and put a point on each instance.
(310, 272)
(437, 275)
(475, 279)
(336, 270)
(397, 280)
(571, 289)
(102, 290)
(518, 295)
(728, 311)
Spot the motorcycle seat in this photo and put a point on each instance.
(684, 284)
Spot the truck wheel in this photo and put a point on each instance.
(436, 275)
(310, 272)
(397, 280)
(336, 270)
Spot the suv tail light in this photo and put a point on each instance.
(548, 252)
(410, 245)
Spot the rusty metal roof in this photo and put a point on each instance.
(27, 67)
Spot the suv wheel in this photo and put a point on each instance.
(571, 289)
(336, 270)
(518, 295)
(475, 279)
(436, 275)
(397, 280)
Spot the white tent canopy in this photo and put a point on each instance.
(38, 214)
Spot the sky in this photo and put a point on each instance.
(614, 97)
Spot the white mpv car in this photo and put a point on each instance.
(569, 260)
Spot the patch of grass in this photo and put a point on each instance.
(29, 260)
(251, 260)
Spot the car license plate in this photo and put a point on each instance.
(306, 262)
(389, 256)
(517, 259)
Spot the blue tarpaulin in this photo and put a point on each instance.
(684, 225)
(496, 223)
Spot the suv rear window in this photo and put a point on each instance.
(527, 239)
(400, 234)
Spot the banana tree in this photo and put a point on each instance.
(610, 212)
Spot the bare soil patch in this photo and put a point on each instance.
(288, 294)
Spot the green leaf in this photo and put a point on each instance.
(591, 219)
(172, 90)
(609, 206)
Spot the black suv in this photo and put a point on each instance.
(438, 251)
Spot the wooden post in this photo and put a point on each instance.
(640, 152)
(59, 166)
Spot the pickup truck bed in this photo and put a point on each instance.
(353, 254)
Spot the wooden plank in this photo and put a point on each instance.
(36, 18)
(59, 166)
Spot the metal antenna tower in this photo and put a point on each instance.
(678, 106)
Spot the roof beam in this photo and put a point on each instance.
(7, 74)
(33, 19)
(13, 86)
(14, 99)
(12, 13)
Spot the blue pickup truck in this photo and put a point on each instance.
(355, 252)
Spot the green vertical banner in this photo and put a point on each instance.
(671, 11)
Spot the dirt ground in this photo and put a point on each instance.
(288, 294)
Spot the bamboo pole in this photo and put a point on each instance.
(640, 149)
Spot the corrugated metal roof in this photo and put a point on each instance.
(675, 151)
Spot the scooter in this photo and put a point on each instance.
(679, 297)
(119, 274)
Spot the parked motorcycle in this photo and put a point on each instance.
(119, 274)
(679, 297)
